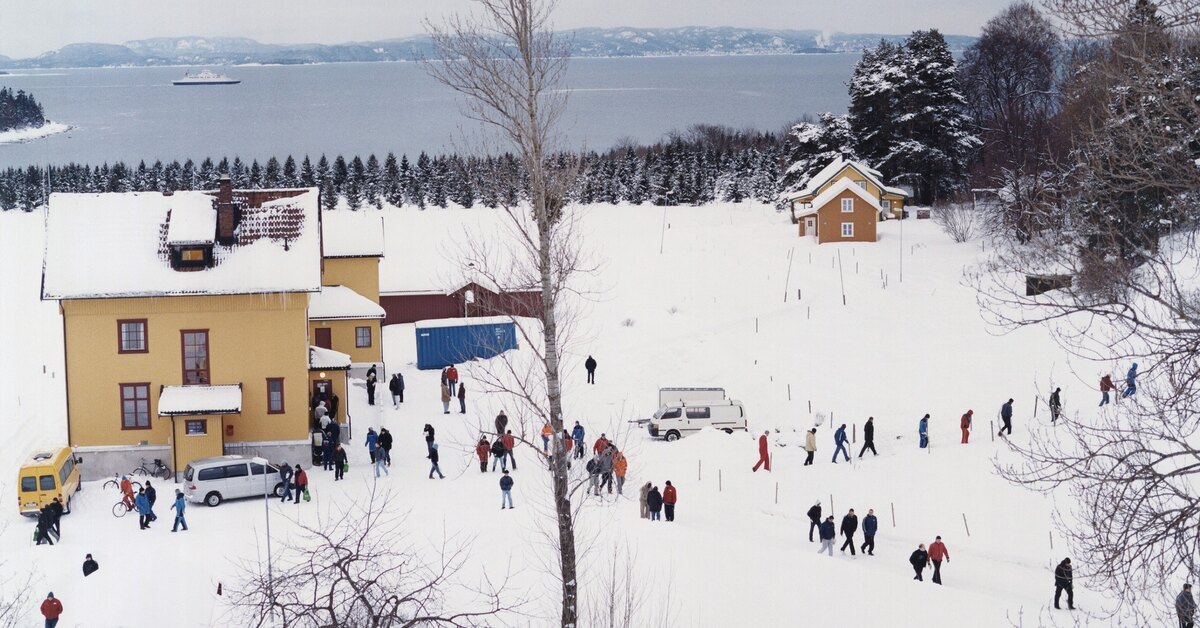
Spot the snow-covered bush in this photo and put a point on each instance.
(959, 222)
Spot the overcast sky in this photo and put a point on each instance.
(31, 27)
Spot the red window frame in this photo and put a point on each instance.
(270, 409)
(370, 338)
(207, 370)
(121, 399)
(145, 335)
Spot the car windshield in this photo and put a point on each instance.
(668, 413)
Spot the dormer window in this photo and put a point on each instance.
(195, 254)
(191, 257)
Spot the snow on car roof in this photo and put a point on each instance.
(116, 245)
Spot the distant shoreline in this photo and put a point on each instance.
(29, 134)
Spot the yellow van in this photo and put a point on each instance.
(46, 475)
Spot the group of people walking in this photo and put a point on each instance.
(607, 462)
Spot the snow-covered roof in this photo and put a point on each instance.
(340, 302)
(353, 233)
(834, 190)
(190, 400)
(830, 170)
(462, 322)
(116, 245)
(328, 359)
(192, 220)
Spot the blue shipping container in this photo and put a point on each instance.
(443, 342)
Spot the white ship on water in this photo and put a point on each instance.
(205, 78)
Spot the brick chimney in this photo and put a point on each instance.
(227, 213)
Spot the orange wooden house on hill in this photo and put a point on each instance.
(844, 202)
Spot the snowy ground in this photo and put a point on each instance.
(28, 134)
(710, 310)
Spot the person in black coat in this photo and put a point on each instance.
(1055, 405)
(90, 566)
(339, 462)
(849, 527)
(327, 451)
(501, 423)
(814, 518)
(590, 365)
(371, 381)
(870, 526)
(385, 444)
(654, 502)
(151, 494)
(500, 455)
(428, 431)
(919, 559)
(1064, 581)
(868, 437)
(56, 513)
(1006, 417)
(43, 525)
(396, 387)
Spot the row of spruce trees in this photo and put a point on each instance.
(907, 118)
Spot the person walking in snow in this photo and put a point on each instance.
(1106, 386)
(151, 496)
(810, 445)
(827, 534)
(919, 559)
(849, 527)
(327, 451)
(380, 464)
(372, 439)
(654, 503)
(870, 526)
(669, 498)
(371, 382)
(56, 513)
(547, 432)
(1130, 382)
(590, 365)
(179, 506)
(923, 431)
(506, 484)
(868, 437)
(462, 399)
(499, 455)
(593, 469)
(1055, 404)
(938, 553)
(643, 500)
(339, 462)
(446, 396)
(606, 469)
(1064, 580)
(481, 451)
(601, 444)
(510, 445)
(321, 414)
(1185, 607)
(501, 423)
(43, 527)
(396, 386)
(452, 378)
(965, 424)
(578, 434)
(620, 467)
(285, 477)
(384, 445)
(428, 432)
(814, 520)
(51, 609)
(433, 459)
(839, 439)
(301, 480)
(90, 566)
(1006, 418)
(143, 508)
(764, 457)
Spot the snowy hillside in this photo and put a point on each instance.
(735, 300)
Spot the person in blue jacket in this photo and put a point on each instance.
(577, 436)
(870, 525)
(506, 484)
(828, 533)
(142, 503)
(372, 438)
(839, 439)
(923, 431)
(179, 506)
(1130, 382)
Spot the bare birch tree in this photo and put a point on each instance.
(510, 68)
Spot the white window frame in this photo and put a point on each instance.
(862, 184)
(847, 206)
(850, 234)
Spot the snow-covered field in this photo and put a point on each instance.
(29, 134)
(735, 300)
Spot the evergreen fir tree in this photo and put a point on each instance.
(875, 92)
(289, 178)
(255, 176)
(373, 183)
(812, 146)
(307, 178)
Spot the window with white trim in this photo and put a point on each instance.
(847, 230)
(847, 205)
(862, 184)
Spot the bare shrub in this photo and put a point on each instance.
(959, 222)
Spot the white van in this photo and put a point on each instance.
(213, 480)
(675, 421)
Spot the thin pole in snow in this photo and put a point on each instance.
(810, 406)
(777, 493)
(853, 433)
(901, 246)
(662, 239)
(841, 276)
(789, 392)
(968, 528)
(720, 482)
(1051, 533)
(992, 428)
(1035, 405)
(756, 324)
(698, 470)
(893, 514)
(831, 507)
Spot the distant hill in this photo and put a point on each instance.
(586, 42)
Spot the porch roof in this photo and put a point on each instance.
(198, 400)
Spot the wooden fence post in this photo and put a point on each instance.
(698, 463)
(777, 493)
(893, 514)
(968, 528)
(720, 485)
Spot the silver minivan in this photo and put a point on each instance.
(213, 480)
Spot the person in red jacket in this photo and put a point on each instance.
(764, 458)
(51, 609)
(669, 498)
(601, 444)
(1106, 386)
(510, 443)
(938, 553)
(965, 424)
(451, 378)
(482, 450)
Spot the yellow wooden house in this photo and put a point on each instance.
(891, 200)
(186, 323)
